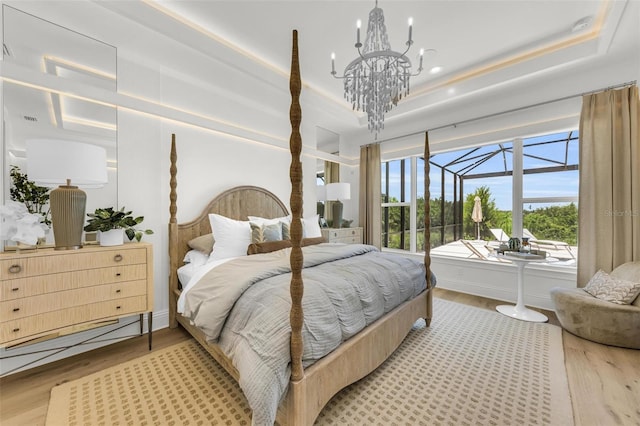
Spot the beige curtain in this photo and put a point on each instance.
(370, 197)
(609, 208)
(331, 175)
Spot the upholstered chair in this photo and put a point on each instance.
(598, 320)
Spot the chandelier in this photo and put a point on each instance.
(378, 78)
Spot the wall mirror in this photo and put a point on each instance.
(30, 111)
(326, 171)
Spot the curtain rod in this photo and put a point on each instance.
(616, 86)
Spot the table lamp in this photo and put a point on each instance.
(71, 165)
(337, 192)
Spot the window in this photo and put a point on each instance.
(548, 197)
(396, 203)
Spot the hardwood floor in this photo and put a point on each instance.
(604, 381)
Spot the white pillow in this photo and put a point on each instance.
(311, 227)
(232, 237)
(196, 258)
(265, 221)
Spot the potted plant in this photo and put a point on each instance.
(112, 224)
(34, 197)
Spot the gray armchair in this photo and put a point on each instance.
(597, 320)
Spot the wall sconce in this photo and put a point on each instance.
(337, 192)
(71, 165)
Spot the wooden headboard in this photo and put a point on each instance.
(236, 203)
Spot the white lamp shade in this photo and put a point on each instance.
(338, 191)
(321, 192)
(51, 162)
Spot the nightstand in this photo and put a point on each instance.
(343, 235)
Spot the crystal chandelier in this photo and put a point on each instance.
(376, 80)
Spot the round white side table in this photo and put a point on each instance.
(520, 311)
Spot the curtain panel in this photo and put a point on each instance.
(609, 195)
(370, 195)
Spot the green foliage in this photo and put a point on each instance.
(549, 223)
(34, 197)
(107, 219)
(559, 223)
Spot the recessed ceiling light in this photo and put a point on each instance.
(451, 91)
(582, 24)
(435, 70)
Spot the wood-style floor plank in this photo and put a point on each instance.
(604, 381)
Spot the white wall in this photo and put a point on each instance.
(499, 280)
(236, 140)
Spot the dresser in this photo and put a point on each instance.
(343, 235)
(48, 293)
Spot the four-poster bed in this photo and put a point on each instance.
(312, 386)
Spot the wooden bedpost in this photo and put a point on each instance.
(295, 173)
(173, 236)
(427, 229)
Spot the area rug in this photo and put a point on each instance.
(471, 367)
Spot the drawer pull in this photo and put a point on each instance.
(117, 258)
(118, 274)
(16, 309)
(15, 330)
(15, 289)
(14, 269)
(117, 307)
(118, 291)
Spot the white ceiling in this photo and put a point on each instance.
(483, 46)
(472, 39)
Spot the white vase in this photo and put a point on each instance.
(114, 237)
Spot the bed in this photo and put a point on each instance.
(309, 385)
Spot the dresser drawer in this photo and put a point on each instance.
(34, 265)
(33, 326)
(343, 235)
(32, 286)
(347, 240)
(24, 307)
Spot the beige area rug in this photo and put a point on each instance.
(471, 367)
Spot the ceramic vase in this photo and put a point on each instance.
(114, 237)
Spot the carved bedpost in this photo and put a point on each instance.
(427, 229)
(295, 173)
(173, 237)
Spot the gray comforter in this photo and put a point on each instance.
(346, 287)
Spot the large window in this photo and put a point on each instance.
(546, 202)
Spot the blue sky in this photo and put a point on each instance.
(534, 185)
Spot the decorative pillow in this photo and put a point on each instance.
(286, 230)
(232, 237)
(263, 232)
(313, 241)
(605, 287)
(311, 227)
(284, 221)
(269, 246)
(203, 243)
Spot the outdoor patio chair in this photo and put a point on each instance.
(499, 235)
(542, 244)
(478, 253)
